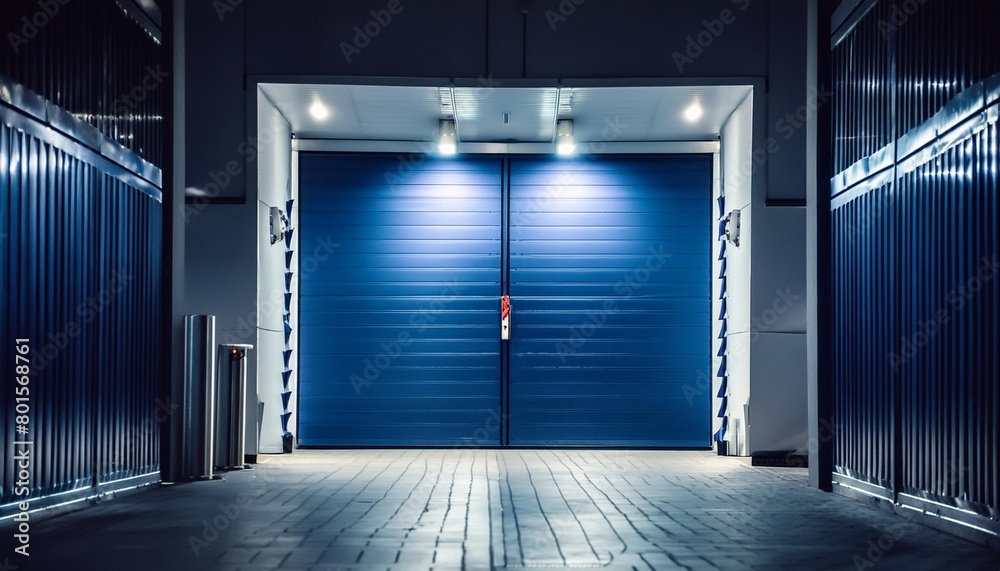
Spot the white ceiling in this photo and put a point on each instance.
(394, 113)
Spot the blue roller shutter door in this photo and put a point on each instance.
(610, 289)
(399, 327)
(609, 279)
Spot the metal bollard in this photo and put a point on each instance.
(232, 419)
(199, 397)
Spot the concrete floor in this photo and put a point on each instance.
(490, 509)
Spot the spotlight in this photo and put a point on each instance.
(693, 112)
(565, 144)
(319, 111)
(447, 141)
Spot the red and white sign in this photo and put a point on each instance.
(505, 318)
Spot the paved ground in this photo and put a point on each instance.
(489, 509)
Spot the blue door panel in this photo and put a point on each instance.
(635, 305)
(407, 275)
(609, 283)
(565, 355)
(389, 332)
(412, 260)
(402, 232)
(411, 391)
(374, 431)
(591, 219)
(624, 262)
(393, 344)
(406, 305)
(430, 244)
(610, 246)
(668, 383)
(443, 291)
(388, 219)
(611, 291)
(430, 416)
(601, 418)
(394, 320)
(415, 348)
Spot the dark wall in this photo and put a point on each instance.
(231, 43)
(683, 40)
(915, 256)
(456, 38)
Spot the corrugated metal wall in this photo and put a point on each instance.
(943, 48)
(80, 248)
(861, 69)
(865, 288)
(92, 60)
(947, 351)
(915, 258)
(80, 253)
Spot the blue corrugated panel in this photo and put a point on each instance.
(946, 351)
(610, 290)
(80, 258)
(865, 286)
(94, 61)
(861, 91)
(915, 267)
(967, 51)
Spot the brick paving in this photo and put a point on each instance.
(495, 509)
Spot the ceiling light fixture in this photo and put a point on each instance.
(447, 140)
(693, 112)
(565, 144)
(564, 104)
(319, 111)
